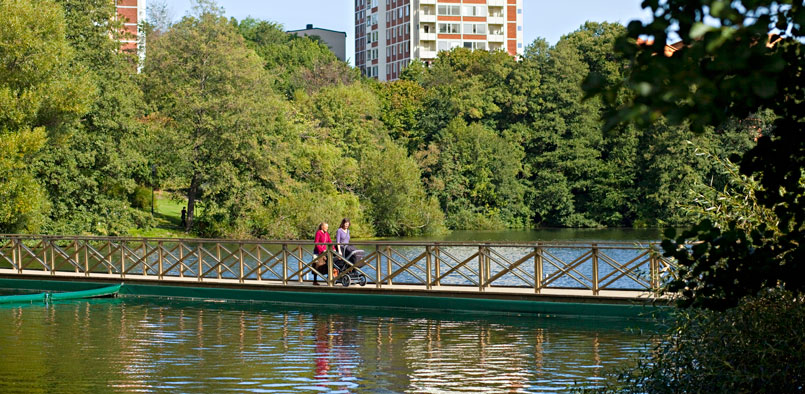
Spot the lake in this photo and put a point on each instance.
(158, 345)
(170, 345)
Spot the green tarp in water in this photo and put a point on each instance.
(73, 295)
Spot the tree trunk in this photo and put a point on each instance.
(191, 201)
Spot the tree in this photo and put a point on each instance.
(92, 171)
(202, 76)
(477, 177)
(42, 93)
(749, 61)
(396, 199)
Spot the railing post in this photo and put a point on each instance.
(218, 256)
(161, 266)
(86, 258)
(481, 268)
(284, 264)
(145, 259)
(75, 256)
(654, 272)
(388, 263)
(240, 260)
(14, 262)
(259, 264)
(428, 268)
(488, 263)
(122, 260)
(329, 266)
(377, 268)
(200, 257)
(538, 269)
(438, 270)
(595, 269)
(52, 258)
(299, 262)
(109, 256)
(181, 259)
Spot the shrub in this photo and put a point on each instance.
(756, 347)
(141, 198)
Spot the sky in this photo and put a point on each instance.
(549, 19)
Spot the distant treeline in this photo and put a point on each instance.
(268, 134)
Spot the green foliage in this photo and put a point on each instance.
(755, 347)
(251, 123)
(735, 70)
(141, 198)
(298, 62)
(42, 91)
(477, 177)
(297, 215)
(398, 204)
(400, 109)
(202, 77)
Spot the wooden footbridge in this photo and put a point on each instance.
(497, 276)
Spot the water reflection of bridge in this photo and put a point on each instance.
(548, 271)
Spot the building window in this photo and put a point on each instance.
(474, 28)
(475, 45)
(450, 28)
(448, 45)
(449, 10)
(475, 10)
(406, 10)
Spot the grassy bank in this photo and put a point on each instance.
(167, 219)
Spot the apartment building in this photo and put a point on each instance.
(131, 12)
(391, 33)
(335, 40)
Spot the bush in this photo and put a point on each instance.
(757, 347)
(141, 198)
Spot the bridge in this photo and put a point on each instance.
(601, 278)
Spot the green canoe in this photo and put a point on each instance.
(73, 295)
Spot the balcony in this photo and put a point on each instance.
(426, 53)
(496, 19)
(496, 36)
(427, 36)
(434, 2)
(496, 3)
(427, 18)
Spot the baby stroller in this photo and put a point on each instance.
(354, 256)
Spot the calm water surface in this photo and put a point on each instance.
(550, 234)
(160, 345)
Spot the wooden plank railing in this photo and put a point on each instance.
(482, 265)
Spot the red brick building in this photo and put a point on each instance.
(390, 33)
(131, 13)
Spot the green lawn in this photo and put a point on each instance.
(167, 217)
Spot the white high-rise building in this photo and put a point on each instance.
(390, 33)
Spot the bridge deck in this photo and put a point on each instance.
(580, 295)
(512, 277)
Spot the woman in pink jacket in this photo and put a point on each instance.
(321, 240)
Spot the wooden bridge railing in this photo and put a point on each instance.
(482, 265)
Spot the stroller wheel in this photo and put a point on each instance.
(362, 280)
(345, 280)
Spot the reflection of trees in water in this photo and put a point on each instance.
(190, 346)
